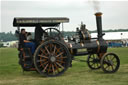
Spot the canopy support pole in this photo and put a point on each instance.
(62, 29)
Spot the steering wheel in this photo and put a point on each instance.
(53, 33)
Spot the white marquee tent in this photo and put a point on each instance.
(113, 35)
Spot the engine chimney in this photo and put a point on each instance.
(99, 24)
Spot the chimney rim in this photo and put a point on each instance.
(98, 13)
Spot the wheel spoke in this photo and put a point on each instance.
(43, 51)
(114, 64)
(56, 67)
(54, 49)
(40, 60)
(50, 47)
(42, 65)
(113, 58)
(59, 54)
(47, 50)
(106, 66)
(49, 67)
(92, 64)
(45, 68)
(46, 62)
(43, 56)
(58, 49)
(60, 61)
(60, 65)
(112, 67)
(53, 69)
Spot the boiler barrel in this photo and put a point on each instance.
(92, 47)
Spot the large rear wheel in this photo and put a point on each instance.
(52, 58)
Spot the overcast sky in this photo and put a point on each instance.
(115, 13)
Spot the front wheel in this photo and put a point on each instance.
(110, 63)
(52, 58)
(93, 61)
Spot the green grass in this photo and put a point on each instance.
(79, 74)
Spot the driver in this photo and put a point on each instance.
(26, 43)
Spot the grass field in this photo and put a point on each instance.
(79, 74)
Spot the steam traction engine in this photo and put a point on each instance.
(53, 55)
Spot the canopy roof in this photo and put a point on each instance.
(43, 21)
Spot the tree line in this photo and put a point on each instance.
(9, 36)
(110, 30)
